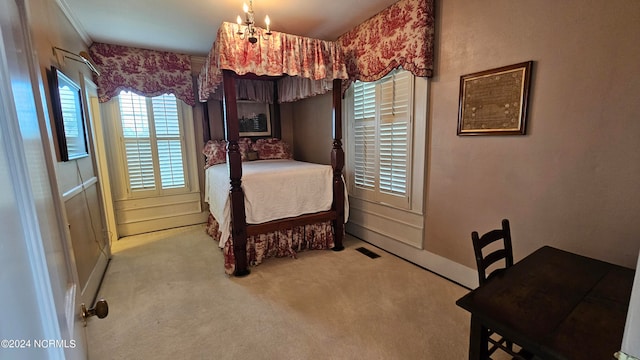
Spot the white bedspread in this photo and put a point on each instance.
(273, 189)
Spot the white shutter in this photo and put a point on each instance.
(140, 164)
(380, 162)
(133, 114)
(169, 140)
(171, 165)
(137, 143)
(365, 135)
(153, 142)
(394, 136)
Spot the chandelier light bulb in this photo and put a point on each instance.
(250, 31)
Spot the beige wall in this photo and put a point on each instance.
(572, 181)
(83, 207)
(286, 122)
(311, 120)
(51, 28)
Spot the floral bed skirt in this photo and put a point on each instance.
(279, 243)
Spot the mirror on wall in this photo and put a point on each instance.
(68, 116)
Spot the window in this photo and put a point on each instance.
(381, 129)
(153, 142)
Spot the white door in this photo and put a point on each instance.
(39, 308)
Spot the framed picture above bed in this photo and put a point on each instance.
(494, 102)
(68, 116)
(254, 118)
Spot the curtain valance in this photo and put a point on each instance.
(290, 88)
(280, 54)
(254, 90)
(146, 72)
(293, 88)
(400, 35)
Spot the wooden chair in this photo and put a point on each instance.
(490, 265)
(485, 263)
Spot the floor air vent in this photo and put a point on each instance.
(368, 252)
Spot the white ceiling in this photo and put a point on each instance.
(190, 26)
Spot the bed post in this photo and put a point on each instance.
(238, 217)
(206, 122)
(337, 163)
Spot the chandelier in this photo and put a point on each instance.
(250, 30)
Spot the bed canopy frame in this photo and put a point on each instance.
(232, 58)
(400, 35)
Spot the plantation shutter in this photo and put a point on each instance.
(380, 160)
(393, 136)
(169, 140)
(365, 135)
(137, 142)
(153, 142)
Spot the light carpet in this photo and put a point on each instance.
(169, 298)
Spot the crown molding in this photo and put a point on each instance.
(66, 10)
(197, 62)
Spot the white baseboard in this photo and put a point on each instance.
(444, 267)
(163, 223)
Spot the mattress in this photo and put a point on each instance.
(273, 189)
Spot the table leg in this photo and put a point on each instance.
(478, 340)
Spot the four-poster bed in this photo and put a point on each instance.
(233, 59)
(399, 36)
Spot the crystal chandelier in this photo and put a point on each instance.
(250, 30)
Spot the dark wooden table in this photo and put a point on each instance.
(556, 304)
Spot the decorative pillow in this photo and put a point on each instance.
(215, 152)
(246, 146)
(273, 149)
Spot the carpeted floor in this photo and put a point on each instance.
(170, 299)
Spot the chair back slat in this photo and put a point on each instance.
(503, 251)
(490, 237)
(494, 257)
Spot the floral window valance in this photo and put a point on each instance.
(146, 72)
(400, 35)
(280, 54)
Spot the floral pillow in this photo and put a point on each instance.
(246, 146)
(215, 152)
(272, 149)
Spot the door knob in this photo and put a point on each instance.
(101, 310)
